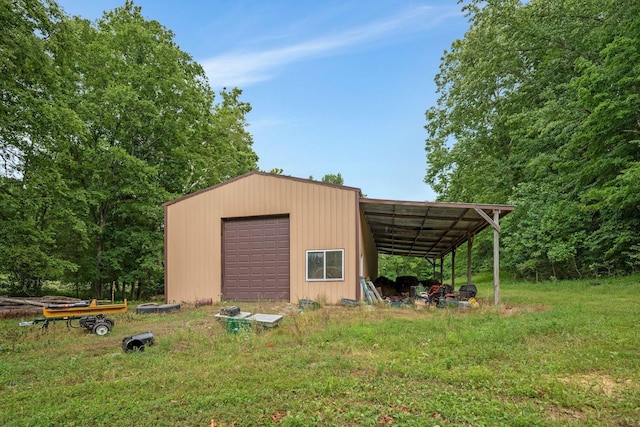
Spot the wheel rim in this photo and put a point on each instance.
(101, 330)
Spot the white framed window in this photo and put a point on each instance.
(325, 265)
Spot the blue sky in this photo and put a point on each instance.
(335, 86)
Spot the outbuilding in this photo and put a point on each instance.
(269, 237)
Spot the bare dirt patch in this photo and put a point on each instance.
(562, 415)
(510, 310)
(599, 383)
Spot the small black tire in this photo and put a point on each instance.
(156, 308)
(134, 346)
(101, 328)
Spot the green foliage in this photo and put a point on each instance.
(557, 353)
(331, 178)
(101, 123)
(391, 267)
(539, 107)
(35, 130)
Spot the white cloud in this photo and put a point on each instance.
(244, 68)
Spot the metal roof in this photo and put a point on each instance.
(425, 229)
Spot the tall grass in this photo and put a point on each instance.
(556, 353)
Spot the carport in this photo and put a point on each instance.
(432, 230)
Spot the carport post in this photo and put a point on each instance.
(469, 248)
(441, 272)
(496, 257)
(453, 269)
(495, 223)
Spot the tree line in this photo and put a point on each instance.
(100, 123)
(539, 107)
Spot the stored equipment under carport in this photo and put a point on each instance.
(89, 315)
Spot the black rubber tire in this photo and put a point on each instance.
(101, 328)
(134, 346)
(156, 308)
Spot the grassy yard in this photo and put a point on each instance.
(561, 353)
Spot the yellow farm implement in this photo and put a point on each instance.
(89, 315)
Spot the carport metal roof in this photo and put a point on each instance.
(426, 229)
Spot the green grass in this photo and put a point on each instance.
(555, 353)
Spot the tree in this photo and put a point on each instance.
(538, 107)
(103, 123)
(393, 266)
(36, 130)
(153, 133)
(331, 178)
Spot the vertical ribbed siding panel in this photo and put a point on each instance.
(190, 240)
(327, 217)
(332, 213)
(303, 197)
(298, 199)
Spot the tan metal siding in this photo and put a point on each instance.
(321, 217)
(368, 249)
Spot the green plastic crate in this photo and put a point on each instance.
(235, 325)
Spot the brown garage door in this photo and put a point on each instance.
(255, 259)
